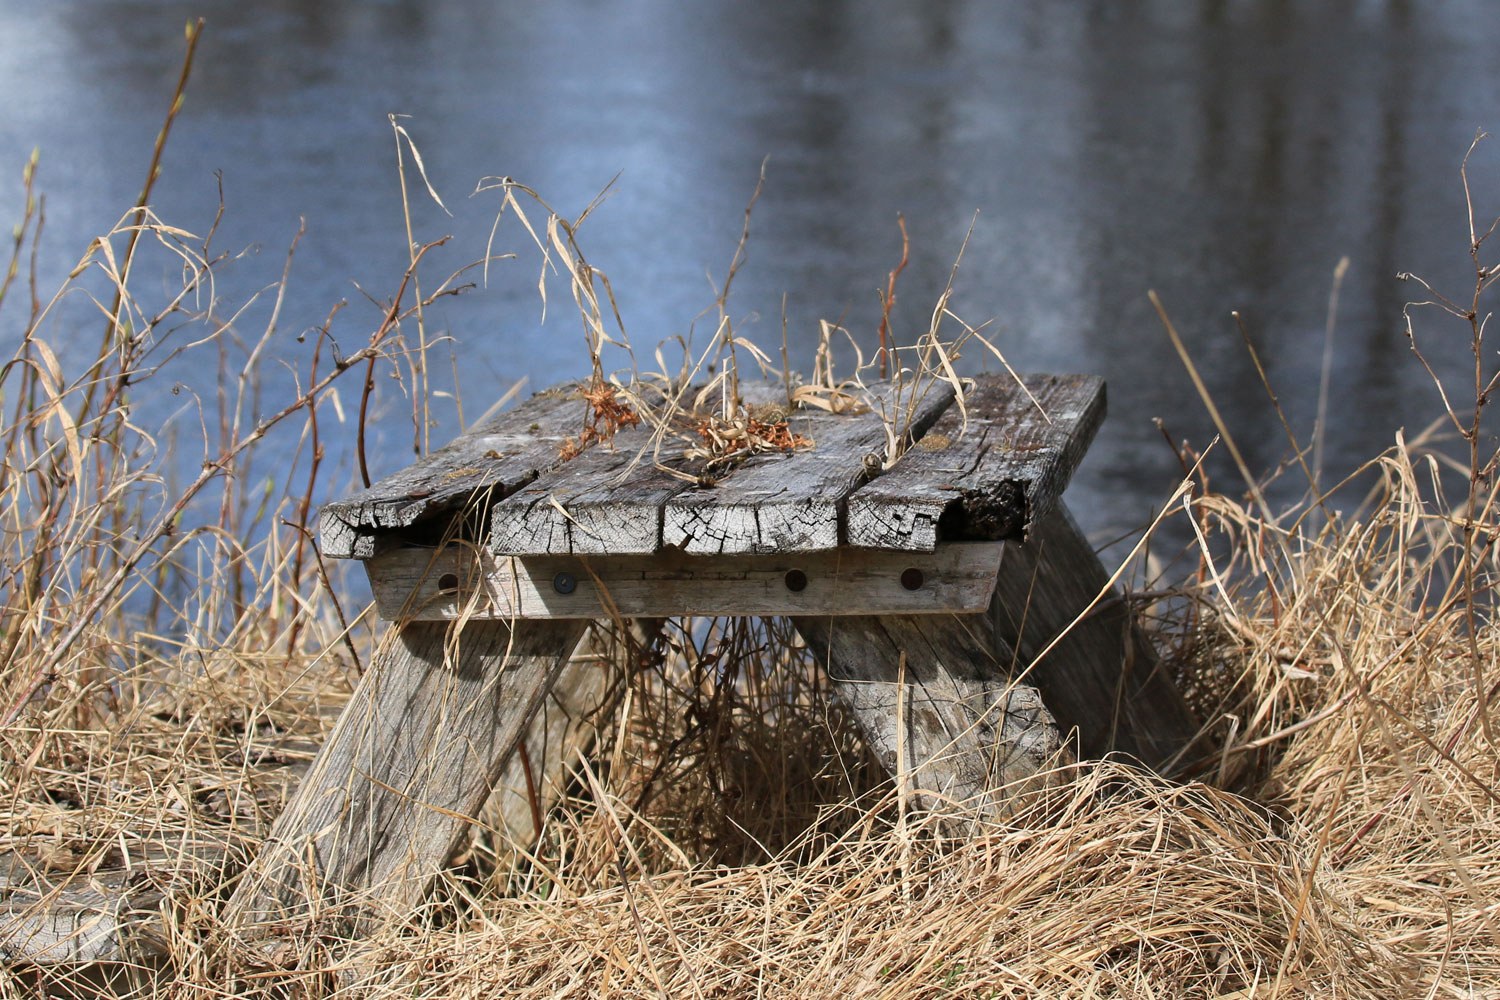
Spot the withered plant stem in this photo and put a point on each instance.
(889, 300)
(113, 327)
(304, 503)
(393, 313)
(28, 213)
(164, 526)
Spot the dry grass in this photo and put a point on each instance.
(174, 655)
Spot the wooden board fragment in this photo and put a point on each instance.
(793, 502)
(1102, 679)
(414, 754)
(499, 455)
(414, 584)
(100, 899)
(98, 920)
(934, 701)
(58, 914)
(990, 482)
(609, 500)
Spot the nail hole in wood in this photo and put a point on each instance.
(448, 581)
(796, 580)
(912, 579)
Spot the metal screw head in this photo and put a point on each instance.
(796, 580)
(912, 579)
(564, 583)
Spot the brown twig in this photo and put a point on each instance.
(392, 315)
(164, 526)
(890, 298)
(194, 33)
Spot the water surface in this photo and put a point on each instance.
(1226, 154)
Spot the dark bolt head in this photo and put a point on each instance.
(912, 579)
(564, 583)
(796, 580)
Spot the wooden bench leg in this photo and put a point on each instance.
(966, 730)
(530, 784)
(1103, 680)
(957, 728)
(413, 755)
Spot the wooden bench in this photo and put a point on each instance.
(951, 586)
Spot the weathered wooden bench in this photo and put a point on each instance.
(955, 604)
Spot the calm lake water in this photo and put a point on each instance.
(1226, 153)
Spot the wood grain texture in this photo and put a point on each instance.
(1103, 679)
(437, 584)
(580, 508)
(933, 694)
(584, 695)
(498, 456)
(585, 507)
(991, 481)
(51, 915)
(609, 500)
(414, 754)
(792, 502)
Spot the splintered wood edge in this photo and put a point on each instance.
(795, 503)
(501, 455)
(423, 584)
(585, 507)
(1004, 489)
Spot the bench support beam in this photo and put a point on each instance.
(584, 696)
(1102, 679)
(936, 707)
(416, 751)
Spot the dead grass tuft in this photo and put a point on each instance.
(606, 415)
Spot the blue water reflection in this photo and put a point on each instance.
(1224, 152)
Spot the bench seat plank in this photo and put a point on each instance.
(793, 502)
(991, 481)
(500, 455)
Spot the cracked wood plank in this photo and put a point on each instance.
(460, 580)
(794, 502)
(580, 509)
(609, 500)
(993, 481)
(499, 455)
